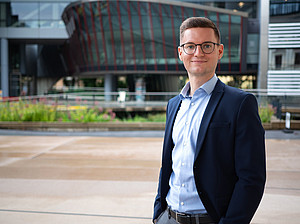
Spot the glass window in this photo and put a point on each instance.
(297, 60)
(3, 15)
(37, 14)
(283, 8)
(25, 11)
(278, 61)
(200, 13)
(224, 30)
(158, 51)
(235, 38)
(177, 22)
(50, 14)
(136, 32)
(49, 11)
(98, 22)
(252, 48)
(146, 33)
(26, 14)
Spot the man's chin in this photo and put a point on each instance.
(198, 72)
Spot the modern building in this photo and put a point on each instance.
(114, 38)
(284, 48)
(32, 35)
(43, 41)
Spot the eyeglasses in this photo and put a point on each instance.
(206, 47)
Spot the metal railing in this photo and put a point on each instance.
(149, 100)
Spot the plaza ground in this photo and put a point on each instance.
(111, 177)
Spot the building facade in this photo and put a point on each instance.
(284, 48)
(44, 41)
(141, 37)
(31, 33)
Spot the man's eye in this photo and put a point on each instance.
(189, 46)
(207, 46)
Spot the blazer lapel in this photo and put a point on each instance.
(212, 104)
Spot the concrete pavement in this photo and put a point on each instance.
(111, 177)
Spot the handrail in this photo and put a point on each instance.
(122, 98)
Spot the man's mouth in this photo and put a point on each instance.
(198, 61)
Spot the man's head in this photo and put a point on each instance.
(200, 48)
(199, 22)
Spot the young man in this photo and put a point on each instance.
(213, 163)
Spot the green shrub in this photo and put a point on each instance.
(161, 117)
(28, 111)
(31, 111)
(266, 113)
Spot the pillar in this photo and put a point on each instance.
(263, 64)
(4, 68)
(109, 86)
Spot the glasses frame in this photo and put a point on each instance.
(206, 42)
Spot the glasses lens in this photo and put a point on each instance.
(208, 47)
(189, 48)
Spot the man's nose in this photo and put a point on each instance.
(198, 51)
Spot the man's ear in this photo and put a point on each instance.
(180, 53)
(220, 51)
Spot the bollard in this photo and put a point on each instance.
(287, 123)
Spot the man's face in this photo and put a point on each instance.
(200, 64)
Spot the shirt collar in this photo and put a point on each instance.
(208, 87)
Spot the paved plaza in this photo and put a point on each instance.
(111, 177)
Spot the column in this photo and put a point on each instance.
(4, 68)
(263, 9)
(108, 87)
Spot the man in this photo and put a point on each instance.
(213, 162)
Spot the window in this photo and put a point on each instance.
(297, 60)
(278, 61)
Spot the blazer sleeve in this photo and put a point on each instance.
(250, 164)
(157, 203)
(158, 199)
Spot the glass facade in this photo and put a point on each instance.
(32, 14)
(140, 36)
(283, 7)
(249, 6)
(116, 37)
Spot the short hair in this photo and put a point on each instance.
(199, 22)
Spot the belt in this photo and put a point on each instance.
(183, 218)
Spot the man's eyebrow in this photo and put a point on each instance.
(189, 43)
(201, 43)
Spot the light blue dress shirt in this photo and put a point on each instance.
(183, 195)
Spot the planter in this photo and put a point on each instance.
(66, 126)
(114, 126)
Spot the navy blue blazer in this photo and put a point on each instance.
(229, 166)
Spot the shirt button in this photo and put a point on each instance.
(186, 122)
(192, 104)
(182, 203)
(182, 164)
(184, 143)
(182, 185)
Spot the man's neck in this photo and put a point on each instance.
(196, 82)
